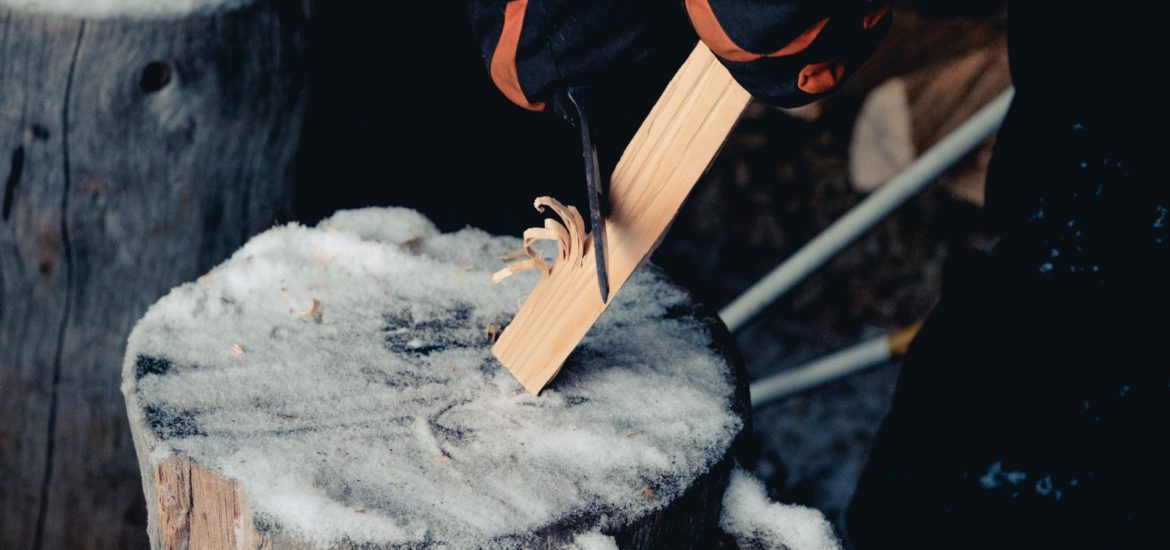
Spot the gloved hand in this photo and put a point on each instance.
(785, 52)
(537, 49)
(790, 52)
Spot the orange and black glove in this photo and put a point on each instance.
(790, 52)
(785, 52)
(536, 49)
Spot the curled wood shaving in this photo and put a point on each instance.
(569, 234)
(313, 311)
(513, 255)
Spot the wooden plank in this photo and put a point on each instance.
(665, 159)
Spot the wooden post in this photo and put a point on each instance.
(136, 150)
(335, 388)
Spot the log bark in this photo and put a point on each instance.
(384, 407)
(134, 154)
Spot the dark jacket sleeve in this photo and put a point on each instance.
(790, 52)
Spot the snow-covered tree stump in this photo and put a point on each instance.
(141, 142)
(334, 387)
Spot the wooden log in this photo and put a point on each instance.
(664, 160)
(335, 388)
(136, 150)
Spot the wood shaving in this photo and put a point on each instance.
(648, 492)
(632, 435)
(237, 349)
(569, 234)
(313, 311)
(512, 256)
(493, 332)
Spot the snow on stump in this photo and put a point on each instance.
(334, 387)
(141, 143)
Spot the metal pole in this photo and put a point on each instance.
(844, 362)
(866, 214)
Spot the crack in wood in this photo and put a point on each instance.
(54, 396)
(14, 173)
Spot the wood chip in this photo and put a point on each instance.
(648, 492)
(632, 435)
(493, 332)
(237, 349)
(313, 311)
(412, 244)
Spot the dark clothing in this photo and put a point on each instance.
(1031, 409)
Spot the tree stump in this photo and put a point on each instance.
(334, 388)
(141, 142)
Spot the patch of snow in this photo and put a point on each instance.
(344, 380)
(1044, 486)
(757, 522)
(593, 541)
(996, 476)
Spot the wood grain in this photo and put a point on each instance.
(673, 147)
(134, 155)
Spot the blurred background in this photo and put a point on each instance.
(390, 104)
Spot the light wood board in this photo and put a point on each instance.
(671, 150)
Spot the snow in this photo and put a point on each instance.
(757, 522)
(100, 9)
(996, 476)
(381, 418)
(594, 541)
